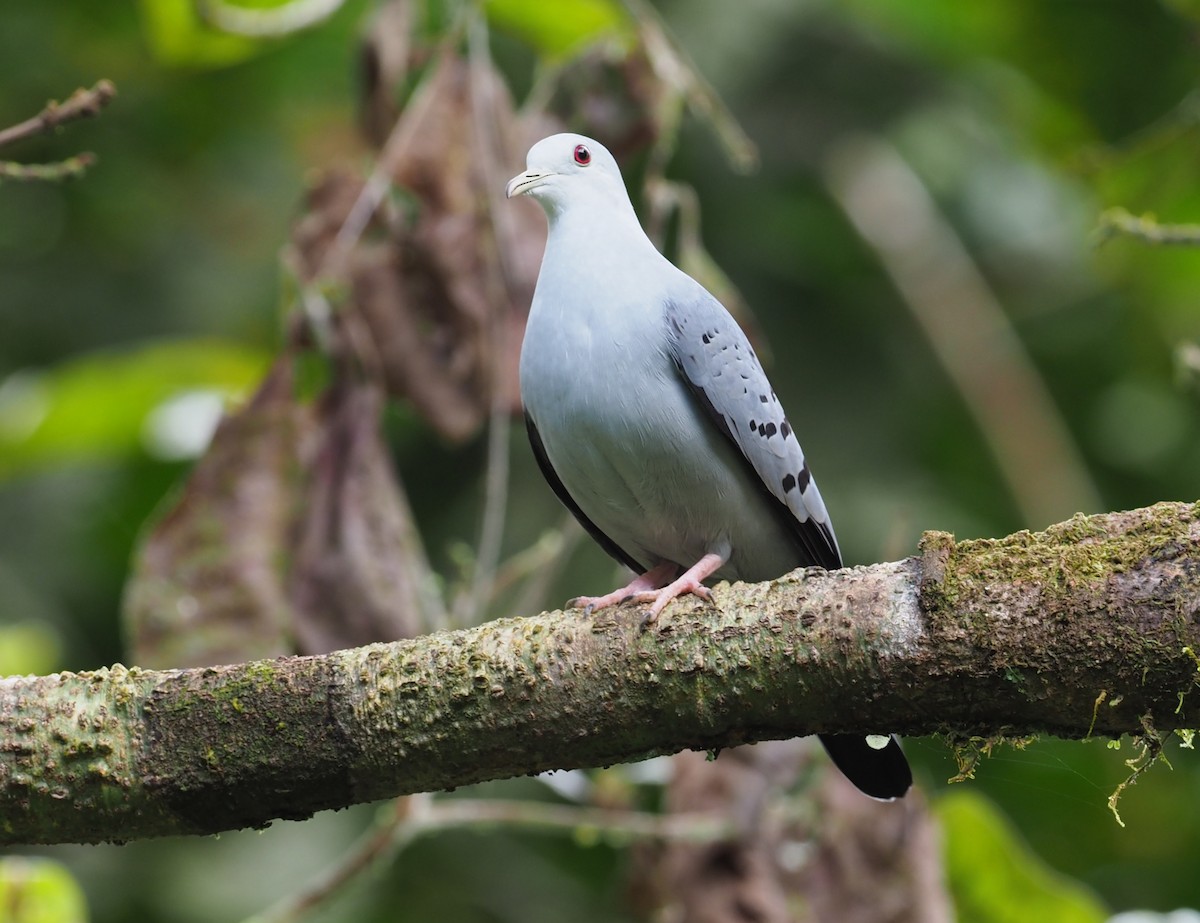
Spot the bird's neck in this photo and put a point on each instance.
(605, 240)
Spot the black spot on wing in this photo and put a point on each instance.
(813, 541)
(560, 491)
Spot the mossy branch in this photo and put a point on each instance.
(82, 104)
(978, 638)
(1117, 222)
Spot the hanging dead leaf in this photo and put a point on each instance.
(358, 566)
(386, 55)
(610, 92)
(851, 860)
(443, 286)
(291, 535)
(208, 582)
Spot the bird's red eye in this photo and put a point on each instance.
(582, 155)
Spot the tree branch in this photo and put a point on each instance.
(81, 104)
(71, 168)
(1117, 222)
(1020, 635)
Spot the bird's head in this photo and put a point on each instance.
(565, 169)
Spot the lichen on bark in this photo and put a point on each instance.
(973, 639)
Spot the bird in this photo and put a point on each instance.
(654, 423)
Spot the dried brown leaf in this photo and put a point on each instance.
(358, 562)
(844, 859)
(611, 93)
(208, 581)
(385, 57)
(443, 288)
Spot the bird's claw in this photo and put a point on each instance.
(643, 590)
(591, 604)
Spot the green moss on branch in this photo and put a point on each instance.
(1015, 636)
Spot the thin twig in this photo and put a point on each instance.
(272, 22)
(81, 104)
(542, 553)
(533, 595)
(334, 263)
(472, 604)
(967, 327)
(71, 168)
(621, 826)
(419, 815)
(546, 75)
(391, 834)
(375, 190)
(1158, 135)
(495, 505)
(676, 69)
(1117, 222)
(655, 178)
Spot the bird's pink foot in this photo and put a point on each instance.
(692, 581)
(651, 580)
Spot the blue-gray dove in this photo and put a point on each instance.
(652, 419)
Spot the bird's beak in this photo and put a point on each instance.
(523, 182)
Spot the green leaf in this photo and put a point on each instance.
(180, 38)
(995, 878)
(558, 29)
(1188, 8)
(28, 648)
(942, 28)
(39, 891)
(99, 406)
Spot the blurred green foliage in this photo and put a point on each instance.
(28, 648)
(39, 891)
(572, 23)
(102, 405)
(155, 277)
(995, 878)
(178, 36)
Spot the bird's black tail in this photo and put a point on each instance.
(881, 772)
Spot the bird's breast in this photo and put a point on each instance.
(635, 450)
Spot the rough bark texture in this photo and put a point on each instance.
(1019, 635)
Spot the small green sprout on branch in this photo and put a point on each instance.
(81, 104)
(1117, 222)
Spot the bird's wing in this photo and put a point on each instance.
(560, 491)
(718, 364)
